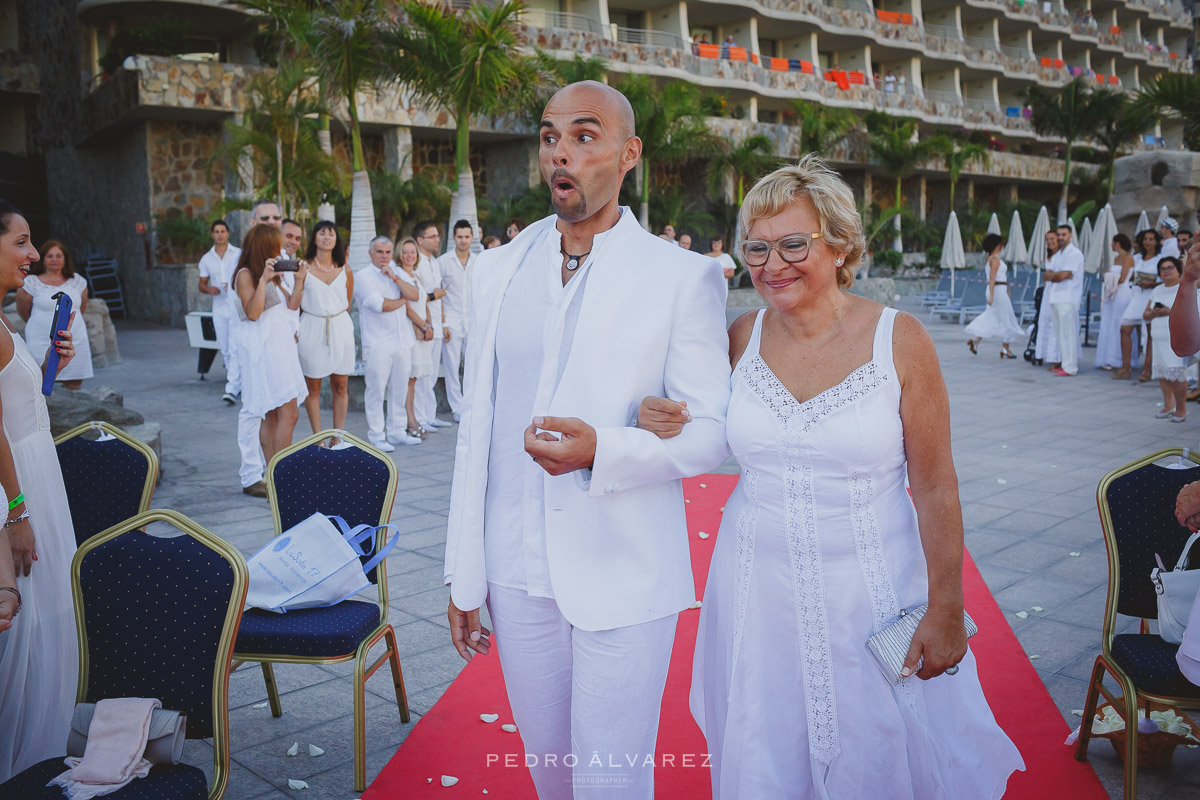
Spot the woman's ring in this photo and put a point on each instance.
(952, 670)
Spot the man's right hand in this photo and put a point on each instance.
(1191, 263)
(467, 633)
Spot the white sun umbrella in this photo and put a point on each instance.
(1142, 224)
(1097, 257)
(1085, 234)
(994, 224)
(1037, 240)
(1163, 213)
(1015, 251)
(1074, 232)
(953, 256)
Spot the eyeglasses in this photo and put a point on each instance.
(792, 248)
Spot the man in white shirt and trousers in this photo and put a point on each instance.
(1064, 274)
(565, 517)
(429, 272)
(456, 267)
(216, 269)
(387, 343)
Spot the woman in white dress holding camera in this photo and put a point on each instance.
(272, 381)
(835, 399)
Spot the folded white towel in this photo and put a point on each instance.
(113, 757)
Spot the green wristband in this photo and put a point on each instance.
(16, 501)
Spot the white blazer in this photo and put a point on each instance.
(652, 322)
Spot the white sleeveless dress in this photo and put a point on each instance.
(1112, 308)
(41, 315)
(818, 549)
(326, 330)
(998, 321)
(39, 654)
(268, 356)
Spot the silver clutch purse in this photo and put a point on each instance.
(889, 647)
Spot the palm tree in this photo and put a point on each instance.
(671, 125)
(467, 62)
(822, 127)
(426, 195)
(281, 140)
(533, 203)
(958, 155)
(1174, 95)
(744, 162)
(679, 208)
(1119, 127)
(1069, 114)
(895, 145)
(342, 39)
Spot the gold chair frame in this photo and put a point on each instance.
(384, 631)
(1105, 662)
(233, 618)
(136, 444)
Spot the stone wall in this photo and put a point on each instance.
(1148, 181)
(178, 153)
(512, 167)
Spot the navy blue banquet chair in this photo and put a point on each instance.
(109, 477)
(157, 617)
(357, 483)
(1137, 515)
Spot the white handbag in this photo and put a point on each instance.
(313, 564)
(1176, 591)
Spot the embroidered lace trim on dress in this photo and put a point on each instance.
(808, 605)
(783, 404)
(747, 528)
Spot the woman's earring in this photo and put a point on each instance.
(838, 262)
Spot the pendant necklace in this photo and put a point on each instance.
(573, 262)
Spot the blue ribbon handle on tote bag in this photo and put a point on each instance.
(359, 534)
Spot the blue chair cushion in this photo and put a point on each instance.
(104, 481)
(165, 782)
(315, 632)
(1150, 662)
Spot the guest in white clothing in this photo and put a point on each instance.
(581, 552)
(326, 330)
(1109, 344)
(456, 267)
(420, 315)
(216, 270)
(723, 259)
(35, 304)
(1168, 368)
(429, 239)
(1170, 243)
(838, 408)
(253, 467)
(387, 345)
(272, 380)
(39, 658)
(1046, 348)
(1143, 277)
(1064, 273)
(998, 320)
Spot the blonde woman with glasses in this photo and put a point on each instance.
(835, 400)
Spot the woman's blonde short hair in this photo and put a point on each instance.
(811, 178)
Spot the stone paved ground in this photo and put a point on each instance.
(1029, 448)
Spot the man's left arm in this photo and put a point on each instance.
(697, 371)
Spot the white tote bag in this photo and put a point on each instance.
(1177, 590)
(315, 563)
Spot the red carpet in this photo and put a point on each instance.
(452, 740)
